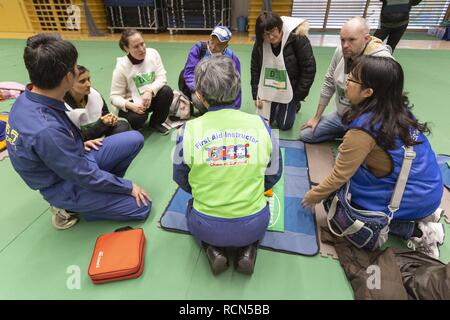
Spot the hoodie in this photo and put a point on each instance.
(299, 61)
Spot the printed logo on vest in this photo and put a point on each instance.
(232, 155)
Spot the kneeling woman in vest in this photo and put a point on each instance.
(223, 159)
(89, 111)
(370, 157)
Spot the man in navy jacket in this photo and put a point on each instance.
(48, 152)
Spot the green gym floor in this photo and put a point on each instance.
(36, 259)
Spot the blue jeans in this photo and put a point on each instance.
(329, 128)
(114, 156)
(283, 115)
(402, 229)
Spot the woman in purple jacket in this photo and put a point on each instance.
(216, 45)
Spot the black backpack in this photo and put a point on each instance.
(182, 86)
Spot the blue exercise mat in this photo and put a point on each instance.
(445, 169)
(299, 236)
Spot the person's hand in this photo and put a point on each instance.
(311, 123)
(147, 99)
(109, 119)
(114, 119)
(259, 103)
(92, 144)
(105, 120)
(140, 196)
(137, 108)
(307, 202)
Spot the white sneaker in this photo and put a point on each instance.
(62, 220)
(432, 238)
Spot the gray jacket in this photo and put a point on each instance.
(337, 74)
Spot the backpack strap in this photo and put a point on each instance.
(400, 185)
(203, 48)
(181, 81)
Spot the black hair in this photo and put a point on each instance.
(48, 58)
(391, 115)
(267, 21)
(126, 33)
(82, 69)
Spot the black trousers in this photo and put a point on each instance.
(120, 127)
(159, 108)
(394, 34)
(283, 115)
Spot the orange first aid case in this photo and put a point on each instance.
(118, 256)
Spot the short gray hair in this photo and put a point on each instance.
(217, 80)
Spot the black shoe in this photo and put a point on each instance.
(217, 259)
(246, 258)
(160, 128)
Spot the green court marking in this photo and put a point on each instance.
(276, 204)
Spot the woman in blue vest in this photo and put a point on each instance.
(380, 125)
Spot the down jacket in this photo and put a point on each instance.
(299, 61)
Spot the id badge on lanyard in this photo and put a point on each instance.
(143, 81)
(275, 78)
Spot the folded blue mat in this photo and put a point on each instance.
(299, 236)
(445, 169)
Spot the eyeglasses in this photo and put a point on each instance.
(272, 32)
(353, 80)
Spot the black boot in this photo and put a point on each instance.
(217, 258)
(246, 258)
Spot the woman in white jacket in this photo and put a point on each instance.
(139, 84)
